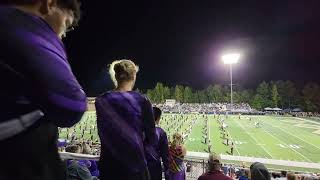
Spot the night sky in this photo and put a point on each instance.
(181, 42)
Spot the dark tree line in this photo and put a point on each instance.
(282, 94)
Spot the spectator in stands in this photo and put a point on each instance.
(158, 150)
(284, 174)
(78, 170)
(39, 90)
(275, 175)
(245, 175)
(73, 149)
(214, 172)
(85, 148)
(125, 122)
(93, 164)
(259, 172)
(291, 176)
(177, 152)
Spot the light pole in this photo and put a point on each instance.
(231, 59)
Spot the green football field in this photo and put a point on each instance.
(285, 138)
(277, 138)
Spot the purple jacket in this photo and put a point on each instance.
(34, 71)
(125, 122)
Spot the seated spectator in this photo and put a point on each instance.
(225, 169)
(232, 171)
(214, 172)
(177, 152)
(291, 176)
(245, 175)
(125, 122)
(159, 151)
(73, 149)
(276, 175)
(284, 174)
(78, 170)
(93, 164)
(259, 172)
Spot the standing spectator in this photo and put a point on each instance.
(177, 152)
(259, 172)
(39, 91)
(214, 172)
(158, 150)
(125, 122)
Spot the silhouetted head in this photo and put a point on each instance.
(123, 72)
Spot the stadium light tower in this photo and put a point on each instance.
(231, 59)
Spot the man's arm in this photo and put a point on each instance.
(62, 98)
(164, 152)
(149, 124)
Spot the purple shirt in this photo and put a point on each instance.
(125, 122)
(34, 71)
(158, 150)
(214, 175)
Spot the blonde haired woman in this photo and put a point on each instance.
(177, 152)
(125, 123)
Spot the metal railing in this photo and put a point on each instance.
(194, 166)
(195, 163)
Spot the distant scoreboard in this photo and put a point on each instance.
(91, 101)
(170, 102)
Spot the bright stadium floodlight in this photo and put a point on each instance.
(230, 59)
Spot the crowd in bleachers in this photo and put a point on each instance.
(205, 107)
(243, 172)
(306, 114)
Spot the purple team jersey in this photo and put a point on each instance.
(125, 122)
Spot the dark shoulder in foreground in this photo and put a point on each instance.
(115, 93)
(217, 175)
(162, 131)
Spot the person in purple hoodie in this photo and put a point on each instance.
(159, 151)
(38, 89)
(125, 122)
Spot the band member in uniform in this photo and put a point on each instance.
(232, 147)
(227, 140)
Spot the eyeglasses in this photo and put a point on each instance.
(69, 29)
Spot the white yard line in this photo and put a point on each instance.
(254, 139)
(235, 146)
(307, 120)
(294, 135)
(288, 146)
(209, 127)
(205, 156)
